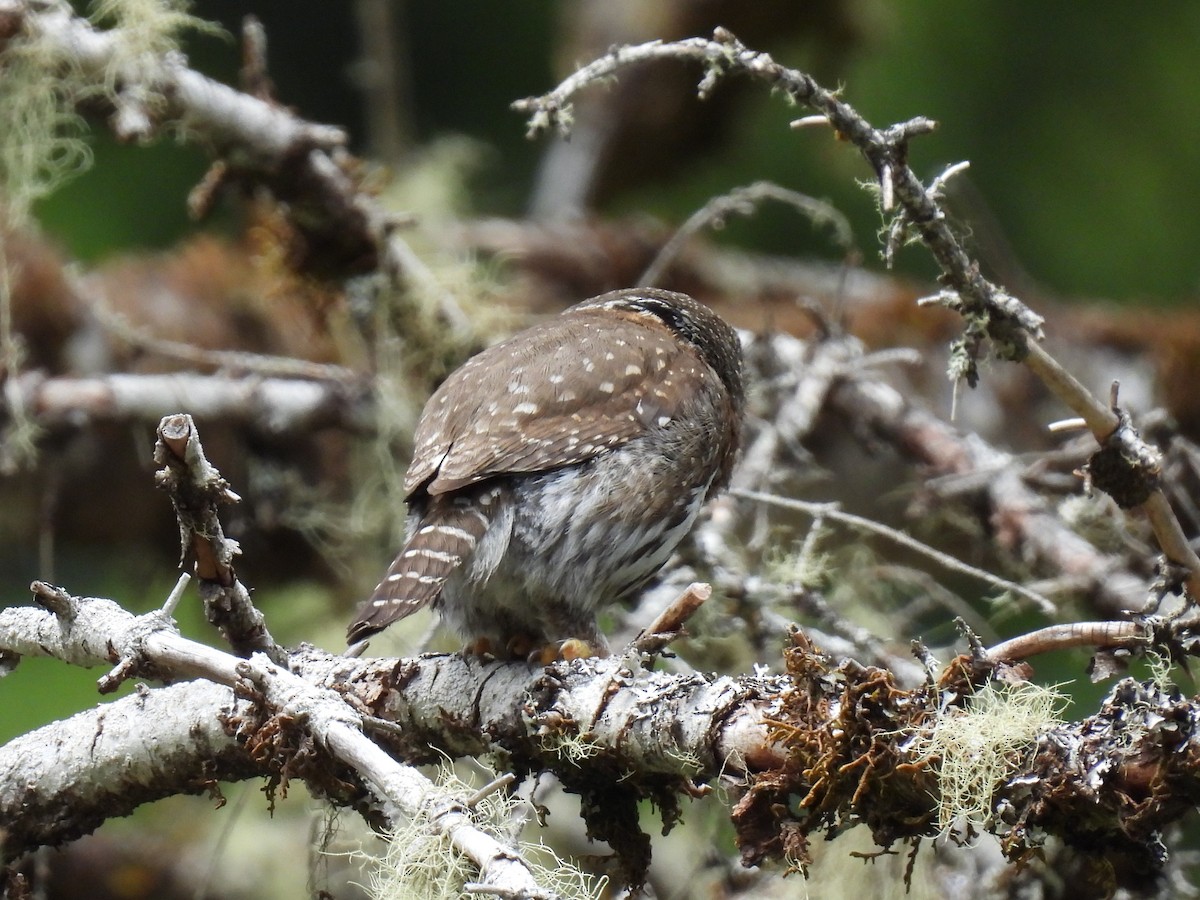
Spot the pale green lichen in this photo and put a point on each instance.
(41, 145)
(571, 747)
(419, 863)
(976, 748)
(40, 148)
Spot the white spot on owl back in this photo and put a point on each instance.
(449, 531)
(607, 387)
(525, 408)
(632, 369)
(557, 379)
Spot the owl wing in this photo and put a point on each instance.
(554, 395)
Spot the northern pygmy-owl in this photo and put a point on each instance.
(556, 472)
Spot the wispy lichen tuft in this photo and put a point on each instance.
(41, 144)
(421, 864)
(149, 31)
(978, 747)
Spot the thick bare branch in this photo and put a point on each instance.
(65, 779)
(836, 740)
(283, 704)
(275, 406)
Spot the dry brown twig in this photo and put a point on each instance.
(196, 489)
(1070, 635)
(668, 625)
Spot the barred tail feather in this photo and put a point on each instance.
(446, 536)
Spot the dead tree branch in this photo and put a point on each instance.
(274, 406)
(290, 726)
(196, 490)
(821, 748)
(303, 164)
(1131, 467)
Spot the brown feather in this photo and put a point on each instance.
(561, 412)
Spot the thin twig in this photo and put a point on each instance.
(990, 311)
(833, 512)
(1073, 634)
(497, 784)
(228, 360)
(743, 201)
(172, 601)
(668, 625)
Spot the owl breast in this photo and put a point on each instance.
(567, 542)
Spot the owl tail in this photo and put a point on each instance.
(446, 535)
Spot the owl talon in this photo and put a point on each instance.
(519, 646)
(567, 650)
(480, 647)
(574, 648)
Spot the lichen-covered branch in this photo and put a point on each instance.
(886, 150)
(67, 778)
(823, 747)
(290, 728)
